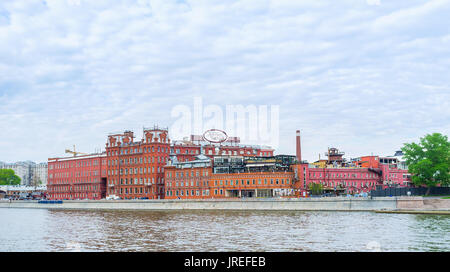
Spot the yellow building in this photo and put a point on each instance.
(321, 163)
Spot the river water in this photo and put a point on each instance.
(56, 230)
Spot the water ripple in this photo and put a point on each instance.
(52, 230)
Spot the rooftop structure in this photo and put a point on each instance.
(335, 156)
(240, 164)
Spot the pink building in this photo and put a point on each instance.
(343, 180)
(360, 175)
(393, 174)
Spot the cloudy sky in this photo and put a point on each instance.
(365, 76)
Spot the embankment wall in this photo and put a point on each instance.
(308, 204)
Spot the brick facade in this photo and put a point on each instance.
(82, 177)
(136, 169)
(201, 183)
(155, 168)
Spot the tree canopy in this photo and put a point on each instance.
(8, 177)
(315, 188)
(429, 160)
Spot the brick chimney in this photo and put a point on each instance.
(299, 147)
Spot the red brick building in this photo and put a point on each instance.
(136, 168)
(184, 184)
(188, 180)
(156, 168)
(255, 184)
(247, 176)
(228, 177)
(81, 177)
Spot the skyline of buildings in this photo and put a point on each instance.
(155, 167)
(185, 150)
(29, 172)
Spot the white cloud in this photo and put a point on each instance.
(412, 15)
(366, 78)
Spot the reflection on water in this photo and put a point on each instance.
(53, 230)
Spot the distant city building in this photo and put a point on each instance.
(40, 173)
(30, 173)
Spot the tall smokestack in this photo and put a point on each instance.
(299, 147)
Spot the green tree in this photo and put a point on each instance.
(8, 177)
(429, 161)
(315, 188)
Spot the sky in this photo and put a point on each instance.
(365, 76)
